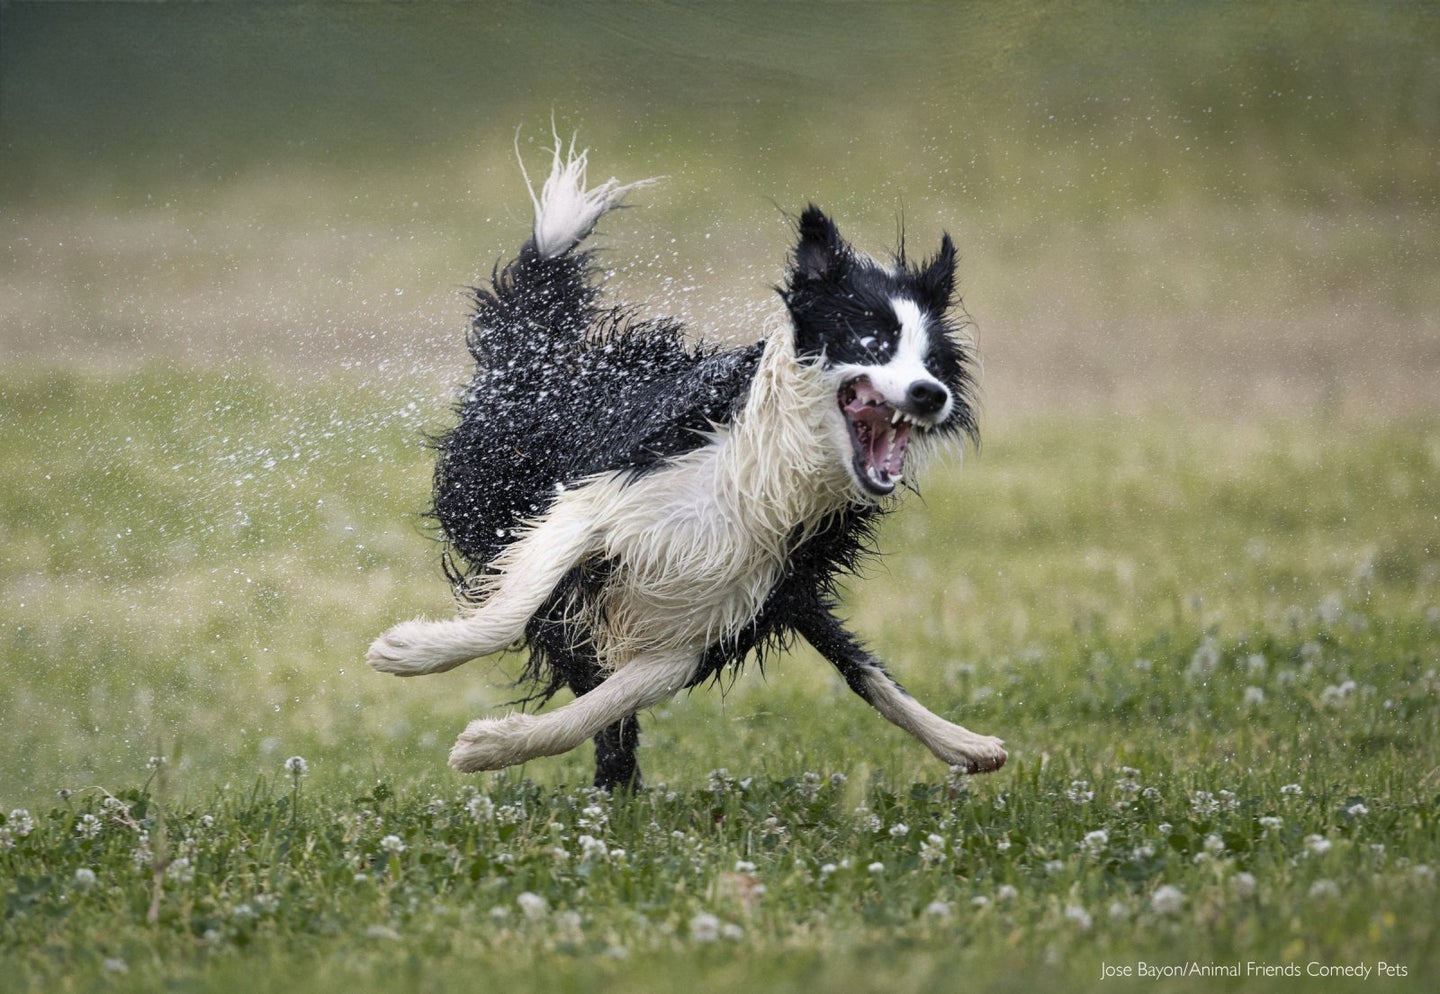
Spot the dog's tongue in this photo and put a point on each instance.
(885, 447)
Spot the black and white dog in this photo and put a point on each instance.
(643, 512)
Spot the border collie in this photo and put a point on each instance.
(643, 512)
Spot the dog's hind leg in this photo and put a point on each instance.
(528, 572)
(616, 765)
(646, 680)
(868, 677)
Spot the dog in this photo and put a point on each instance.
(644, 512)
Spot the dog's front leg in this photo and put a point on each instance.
(527, 573)
(646, 680)
(868, 677)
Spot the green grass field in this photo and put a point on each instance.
(1212, 649)
(1193, 578)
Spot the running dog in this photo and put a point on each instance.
(643, 512)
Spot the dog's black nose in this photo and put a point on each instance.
(926, 396)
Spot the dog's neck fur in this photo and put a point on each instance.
(698, 545)
(770, 468)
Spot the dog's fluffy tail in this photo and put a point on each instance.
(565, 209)
(547, 288)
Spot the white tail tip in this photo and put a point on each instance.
(565, 210)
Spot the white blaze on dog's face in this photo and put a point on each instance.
(899, 370)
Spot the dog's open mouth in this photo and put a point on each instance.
(879, 435)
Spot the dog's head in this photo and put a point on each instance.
(885, 337)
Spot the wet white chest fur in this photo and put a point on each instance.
(694, 548)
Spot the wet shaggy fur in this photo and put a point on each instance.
(643, 512)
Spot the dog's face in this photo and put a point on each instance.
(883, 338)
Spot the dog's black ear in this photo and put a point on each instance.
(821, 254)
(937, 278)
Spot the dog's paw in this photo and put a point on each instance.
(986, 756)
(492, 744)
(405, 651)
(973, 753)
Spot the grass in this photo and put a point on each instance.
(1212, 648)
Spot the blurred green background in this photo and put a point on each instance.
(1213, 207)
(1200, 243)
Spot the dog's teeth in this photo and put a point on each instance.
(898, 416)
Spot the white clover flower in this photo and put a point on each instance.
(568, 924)
(1119, 910)
(592, 848)
(744, 866)
(88, 827)
(867, 820)
(1205, 659)
(1290, 790)
(1167, 900)
(1244, 884)
(532, 905)
(932, 850)
(809, 786)
(732, 932)
(704, 927)
(1317, 845)
(1078, 915)
(1164, 828)
(181, 870)
(84, 878)
(1254, 696)
(20, 823)
(1324, 889)
(1357, 811)
(1054, 866)
(1423, 873)
(296, 766)
(1080, 792)
(1006, 892)
(1214, 844)
(899, 830)
(876, 867)
(1143, 851)
(1270, 823)
(593, 817)
(155, 762)
(1337, 694)
(1255, 663)
(941, 909)
(392, 844)
(1203, 803)
(826, 870)
(1095, 842)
